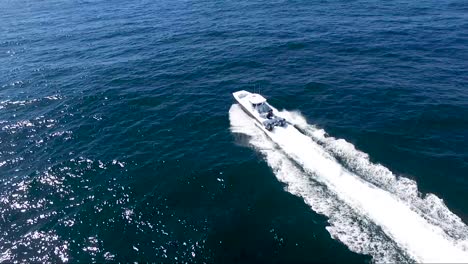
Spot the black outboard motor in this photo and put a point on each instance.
(274, 121)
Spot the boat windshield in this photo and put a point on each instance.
(263, 108)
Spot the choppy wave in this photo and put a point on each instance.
(4, 104)
(30, 203)
(75, 198)
(369, 209)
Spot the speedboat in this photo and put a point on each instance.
(257, 107)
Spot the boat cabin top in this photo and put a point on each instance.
(256, 99)
(259, 102)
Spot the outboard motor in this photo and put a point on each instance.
(274, 121)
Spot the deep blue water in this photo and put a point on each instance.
(115, 140)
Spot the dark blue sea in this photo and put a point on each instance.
(120, 140)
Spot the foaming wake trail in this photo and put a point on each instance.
(431, 207)
(367, 218)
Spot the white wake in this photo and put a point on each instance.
(369, 209)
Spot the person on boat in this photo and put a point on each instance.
(269, 114)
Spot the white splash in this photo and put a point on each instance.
(431, 207)
(367, 218)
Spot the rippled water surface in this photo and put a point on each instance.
(119, 142)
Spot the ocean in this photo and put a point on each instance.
(120, 140)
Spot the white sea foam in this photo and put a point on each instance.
(365, 216)
(431, 207)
